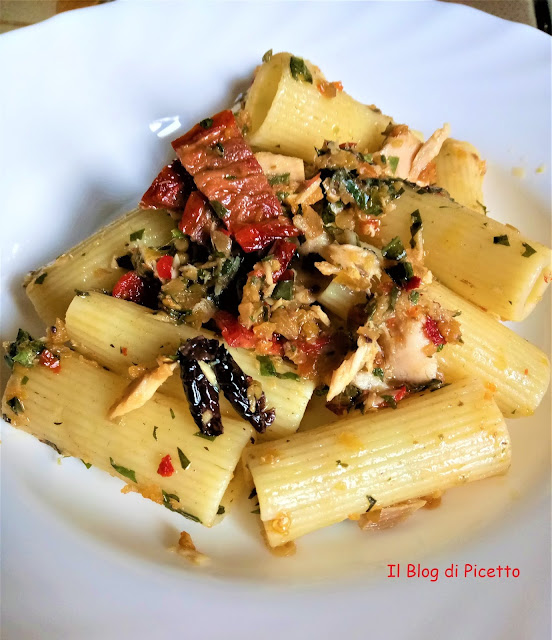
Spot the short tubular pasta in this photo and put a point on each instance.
(433, 442)
(68, 409)
(460, 171)
(292, 116)
(118, 333)
(90, 265)
(486, 262)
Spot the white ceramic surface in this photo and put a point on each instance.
(91, 100)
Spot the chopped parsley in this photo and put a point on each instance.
(41, 278)
(378, 373)
(371, 502)
(299, 69)
(86, 464)
(390, 401)
(172, 413)
(440, 347)
(155, 432)
(24, 380)
(220, 510)
(283, 290)
(252, 494)
(400, 273)
(257, 510)
(16, 405)
(529, 251)
(341, 464)
(415, 227)
(482, 206)
(24, 350)
(502, 240)
(127, 473)
(184, 460)
(267, 368)
(137, 235)
(219, 208)
(393, 296)
(230, 177)
(167, 497)
(393, 163)
(267, 56)
(366, 157)
(394, 249)
(414, 296)
(383, 159)
(207, 123)
(200, 434)
(361, 198)
(177, 234)
(279, 178)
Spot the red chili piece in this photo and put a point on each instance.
(50, 360)
(400, 393)
(283, 251)
(170, 189)
(165, 468)
(413, 283)
(196, 218)
(226, 171)
(233, 332)
(130, 287)
(431, 329)
(164, 267)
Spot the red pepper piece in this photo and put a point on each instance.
(283, 251)
(196, 218)
(170, 189)
(165, 468)
(431, 329)
(400, 393)
(164, 267)
(413, 283)
(254, 237)
(50, 360)
(129, 287)
(233, 332)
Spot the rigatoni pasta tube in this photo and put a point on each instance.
(513, 369)
(432, 442)
(118, 333)
(293, 116)
(90, 265)
(485, 261)
(68, 409)
(460, 171)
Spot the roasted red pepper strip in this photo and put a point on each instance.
(283, 251)
(50, 360)
(131, 286)
(170, 189)
(234, 333)
(164, 267)
(196, 218)
(413, 283)
(431, 329)
(226, 171)
(165, 468)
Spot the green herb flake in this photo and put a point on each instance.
(200, 434)
(502, 240)
(24, 350)
(400, 273)
(283, 290)
(267, 368)
(529, 251)
(267, 56)
(16, 405)
(299, 69)
(172, 413)
(252, 494)
(371, 502)
(390, 401)
(230, 177)
(278, 178)
(207, 123)
(177, 234)
(282, 195)
(127, 473)
(41, 278)
(383, 159)
(137, 235)
(341, 464)
(393, 296)
(482, 206)
(378, 373)
(440, 347)
(184, 460)
(366, 157)
(415, 227)
(86, 464)
(167, 497)
(394, 249)
(24, 379)
(154, 432)
(361, 198)
(81, 294)
(371, 309)
(218, 149)
(219, 208)
(393, 163)
(414, 297)
(257, 510)
(220, 510)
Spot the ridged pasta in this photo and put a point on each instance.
(118, 333)
(460, 171)
(89, 265)
(69, 409)
(466, 253)
(291, 116)
(432, 442)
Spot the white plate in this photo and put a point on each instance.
(85, 94)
